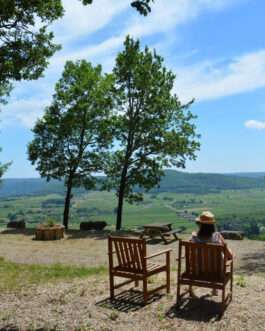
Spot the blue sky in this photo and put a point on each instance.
(215, 47)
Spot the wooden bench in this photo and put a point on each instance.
(159, 230)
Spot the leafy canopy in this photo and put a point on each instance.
(153, 130)
(25, 43)
(74, 129)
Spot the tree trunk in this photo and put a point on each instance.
(67, 203)
(121, 198)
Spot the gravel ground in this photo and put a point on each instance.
(83, 303)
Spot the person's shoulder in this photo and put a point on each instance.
(217, 237)
(193, 237)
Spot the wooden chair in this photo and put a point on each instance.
(206, 265)
(131, 261)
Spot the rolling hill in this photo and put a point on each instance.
(173, 181)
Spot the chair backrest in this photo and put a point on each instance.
(130, 253)
(204, 261)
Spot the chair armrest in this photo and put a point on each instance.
(229, 263)
(158, 253)
(182, 257)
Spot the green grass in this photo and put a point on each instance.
(15, 276)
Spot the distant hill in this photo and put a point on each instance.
(183, 182)
(173, 181)
(249, 174)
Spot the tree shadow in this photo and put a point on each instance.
(197, 309)
(25, 232)
(253, 263)
(91, 234)
(97, 235)
(128, 301)
(156, 241)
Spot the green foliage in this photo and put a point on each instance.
(25, 49)
(26, 43)
(3, 167)
(153, 130)
(241, 281)
(49, 223)
(142, 6)
(72, 135)
(14, 275)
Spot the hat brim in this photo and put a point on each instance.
(199, 221)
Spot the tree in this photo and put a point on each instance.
(153, 130)
(71, 137)
(3, 167)
(25, 43)
(142, 6)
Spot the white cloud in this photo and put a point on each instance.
(23, 111)
(253, 124)
(212, 80)
(166, 15)
(80, 20)
(80, 23)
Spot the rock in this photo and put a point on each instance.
(233, 235)
(16, 224)
(96, 225)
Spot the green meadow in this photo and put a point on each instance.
(234, 209)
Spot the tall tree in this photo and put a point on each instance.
(153, 129)
(72, 135)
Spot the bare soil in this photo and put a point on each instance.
(83, 304)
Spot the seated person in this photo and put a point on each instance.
(207, 234)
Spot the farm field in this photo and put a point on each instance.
(234, 209)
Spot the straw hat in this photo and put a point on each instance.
(206, 217)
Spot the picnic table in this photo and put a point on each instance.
(162, 230)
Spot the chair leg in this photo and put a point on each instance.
(168, 280)
(178, 294)
(136, 283)
(223, 297)
(168, 273)
(145, 290)
(231, 286)
(111, 279)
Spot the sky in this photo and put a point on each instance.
(216, 48)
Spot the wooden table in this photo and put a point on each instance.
(161, 230)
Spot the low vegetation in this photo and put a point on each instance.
(16, 276)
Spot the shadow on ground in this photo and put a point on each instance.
(253, 263)
(128, 301)
(156, 241)
(25, 232)
(73, 233)
(197, 309)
